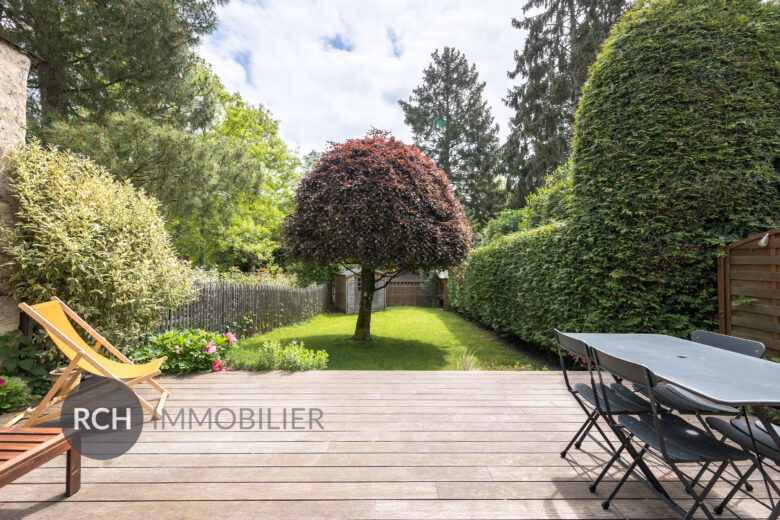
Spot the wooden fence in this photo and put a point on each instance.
(749, 290)
(412, 293)
(249, 308)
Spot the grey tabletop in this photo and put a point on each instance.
(719, 375)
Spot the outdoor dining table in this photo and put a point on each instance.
(720, 376)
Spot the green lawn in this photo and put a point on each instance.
(404, 338)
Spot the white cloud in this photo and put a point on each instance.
(285, 54)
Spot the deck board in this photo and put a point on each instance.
(429, 445)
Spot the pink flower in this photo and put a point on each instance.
(2, 381)
(177, 349)
(217, 365)
(230, 337)
(210, 348)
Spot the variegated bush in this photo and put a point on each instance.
(94, 241)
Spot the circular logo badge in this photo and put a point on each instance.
(107, 413)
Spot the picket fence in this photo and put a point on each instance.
(224, 306)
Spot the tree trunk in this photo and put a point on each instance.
(51, 93)
(368, 286)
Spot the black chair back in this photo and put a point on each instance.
(572, 345)
(748, 347)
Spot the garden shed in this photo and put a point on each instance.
(346, 292)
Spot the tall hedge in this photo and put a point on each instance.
(675, 151)
(93, 241)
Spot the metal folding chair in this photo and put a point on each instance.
(668, 438)
(589, 397)
(753, 437)
(684, 402)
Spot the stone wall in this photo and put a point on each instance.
(14, 67)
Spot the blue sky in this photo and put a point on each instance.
(330, 70)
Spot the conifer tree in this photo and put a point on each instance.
(563, 40)
(452, 124)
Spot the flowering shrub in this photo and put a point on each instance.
(13, 394)
(273, 355)
(188, 351)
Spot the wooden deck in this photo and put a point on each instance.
(427, 445)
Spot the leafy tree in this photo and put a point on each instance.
(103, 57)
(563, 40)
(452, 124)
(380, 204)
(245, 227)
(225, 189)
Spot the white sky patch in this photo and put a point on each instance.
(330, 70)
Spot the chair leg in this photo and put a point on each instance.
(605, 470)
(699, 499)
(585, 427)
(719, 508)
(622, 481)
(706, 465)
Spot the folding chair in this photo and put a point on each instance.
(619, 399)
(53, 317)
(684, 402)
(755, 438)
(664, 436)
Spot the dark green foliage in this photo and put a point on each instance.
(307, 274)
(675, 152)
(186, 350)
(563, 39)
(14, 394)
(452, 125)
(98, 58)
(515, 285)
(549, 203)
(20, 357)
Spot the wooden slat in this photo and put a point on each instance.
(754, 260)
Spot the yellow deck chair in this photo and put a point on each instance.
(53, 317)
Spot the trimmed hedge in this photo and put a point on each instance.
(93, 241)
(512, 286)
(675, 151)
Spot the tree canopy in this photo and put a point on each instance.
(97, 58)
(380, 204)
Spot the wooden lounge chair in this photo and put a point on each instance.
(53, 317)
(24, 449)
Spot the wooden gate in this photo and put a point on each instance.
(749, 290)
(412, 293)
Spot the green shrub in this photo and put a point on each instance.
(675, 152)
(14, 394)
(188, 350)
(20, 357)
(273, 355)
(95, 242)
(548, 204)
(506, 222)
(513, 287)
